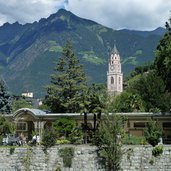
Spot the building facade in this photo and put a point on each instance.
(34, 120)
(114, 74)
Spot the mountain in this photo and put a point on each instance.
(29, 52)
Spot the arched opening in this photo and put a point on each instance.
(24, 120)
(25, 125)
(112, 80)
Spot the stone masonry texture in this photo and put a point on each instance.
(135, 158)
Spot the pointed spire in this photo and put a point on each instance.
(115, 50)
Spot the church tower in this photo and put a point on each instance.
(114, 74)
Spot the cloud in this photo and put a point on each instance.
(27, 10)
(131, 14)
(117, 14)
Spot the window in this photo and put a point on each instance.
(112, 80)
(167, 125)
(119, 80)
(22, 126)
(139, 125)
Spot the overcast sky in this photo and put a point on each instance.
(117, 14)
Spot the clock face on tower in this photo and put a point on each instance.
(112, 68)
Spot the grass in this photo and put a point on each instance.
(130, 60)
(55, 49)
(89, 56)
(134, 140)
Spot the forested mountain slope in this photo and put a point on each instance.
(28, 53)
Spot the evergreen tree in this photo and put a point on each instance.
(67, 83)
(163, 57)
(5, 99)
(109, 140)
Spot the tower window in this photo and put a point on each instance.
(112, 80)
(119, 80)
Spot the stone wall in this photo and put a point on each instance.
(140, 158)
(135, 158)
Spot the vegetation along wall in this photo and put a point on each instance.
(80, 158)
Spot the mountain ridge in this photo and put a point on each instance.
(28, 52)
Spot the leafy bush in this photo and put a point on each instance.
(21, 103)
(62, 141)
(64, 126)
(1, 139)
(76, 136)
(158, 150)
(6, 126)
(49, 137)
(109, 141)
(151, 161)
(58, 169)
(67, 154)
(152, 132)
(12, 149)
(134, 140)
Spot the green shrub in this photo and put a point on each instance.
(6, 126)
(152, 132)
(64, 126)
(109, 141)
(158, 150)
(62, 141)
(67, 154)
(151, 161)
(134, 140)
(49, 137)
(58, 169)
(76, 136)
(1, 139)
(12, 149)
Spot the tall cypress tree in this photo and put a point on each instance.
(5, 99)
(67, 83)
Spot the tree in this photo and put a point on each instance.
(49, 137)
(93, 101)
(20, 103)
(142, 69)
(109, 140)
(152, 91)
(67, 83)
(127, 102)
(5, 99)
(152, 132)
(64, 126)
(97, 96)
(162, 61)
(6, 126)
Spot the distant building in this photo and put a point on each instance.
(114, 74)
(27, 94)
(35, 120)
